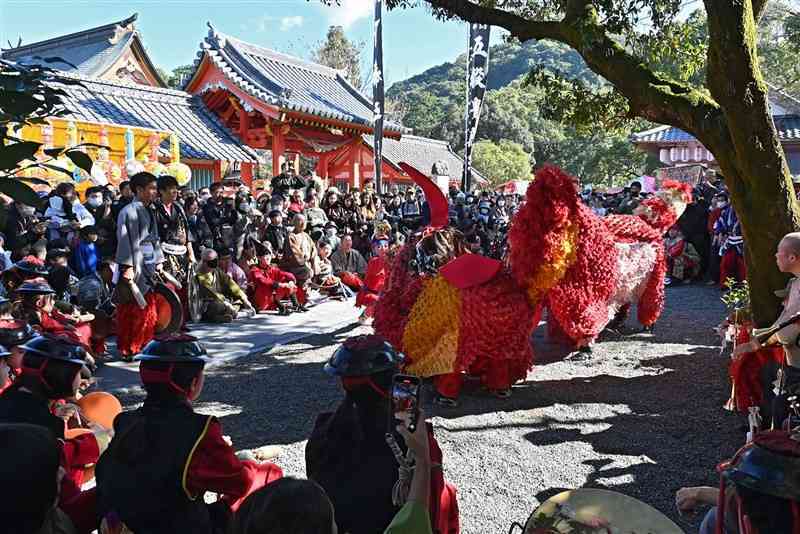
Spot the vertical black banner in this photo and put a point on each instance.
(377, 93)
(477, 71)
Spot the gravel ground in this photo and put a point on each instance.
(641, 415)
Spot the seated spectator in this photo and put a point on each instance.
(299, 252)
(331, 235)
(34, 476)
(296, 204)
(276, 233)
(13, 336)
(66, 213)
(683, 260)
(758, 490)
(271, 286)
(329, 283)
(164, 457)
(347, 453)
(294, 506)
(348, 264)
(85, 256)
(221, 298)
(94, 296)
(230, 267)
(5, 256)
(51, 373)
(39, 309)
(317, 219)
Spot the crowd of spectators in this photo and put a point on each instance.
(705, 245)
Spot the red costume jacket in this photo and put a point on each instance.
(374, 280)
(265, 286)
(214, 467)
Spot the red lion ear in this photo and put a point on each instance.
(683, 188)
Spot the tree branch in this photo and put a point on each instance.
(650, 95)
(758, 9)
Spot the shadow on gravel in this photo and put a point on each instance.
(673, 421)
(276, 400)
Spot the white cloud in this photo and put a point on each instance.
(349, 12)
(287, 23)
(263, 22)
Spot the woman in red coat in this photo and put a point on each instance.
(375, 278)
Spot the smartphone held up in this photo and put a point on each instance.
(405, 401)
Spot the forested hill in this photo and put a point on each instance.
(508, 61)
(512, 131)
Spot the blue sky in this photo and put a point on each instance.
(173, 29)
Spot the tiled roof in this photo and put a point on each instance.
(421, 153)
(288, 82)
(788, 127)
(201, 134)
(90, 52)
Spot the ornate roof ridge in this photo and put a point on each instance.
(116, 30)
(124, 84)
(218, 40)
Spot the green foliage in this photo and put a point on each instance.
(432, 104)
(577, 103)
(26, 97)
(501, 162)
(779, 45)
(338, 52)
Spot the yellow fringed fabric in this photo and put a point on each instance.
(550, 273)
(430, 338)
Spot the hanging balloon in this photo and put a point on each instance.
(180, 171)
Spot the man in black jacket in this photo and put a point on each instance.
(286, 181)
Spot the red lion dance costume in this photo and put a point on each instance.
(476, 315)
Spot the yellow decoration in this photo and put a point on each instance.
(180, 171)
(550, 273)
(431, 335)
(152, 165)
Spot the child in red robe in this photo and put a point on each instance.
(375, 278)
(38, 303)
(271, 285)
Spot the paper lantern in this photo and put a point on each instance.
(155, 168)
(180, 171)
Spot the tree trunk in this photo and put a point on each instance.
(751, 159)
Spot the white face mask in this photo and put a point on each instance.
(95, 201)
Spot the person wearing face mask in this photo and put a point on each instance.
(221, 297)
(65, 213)
(731, 249)
(98, 204)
